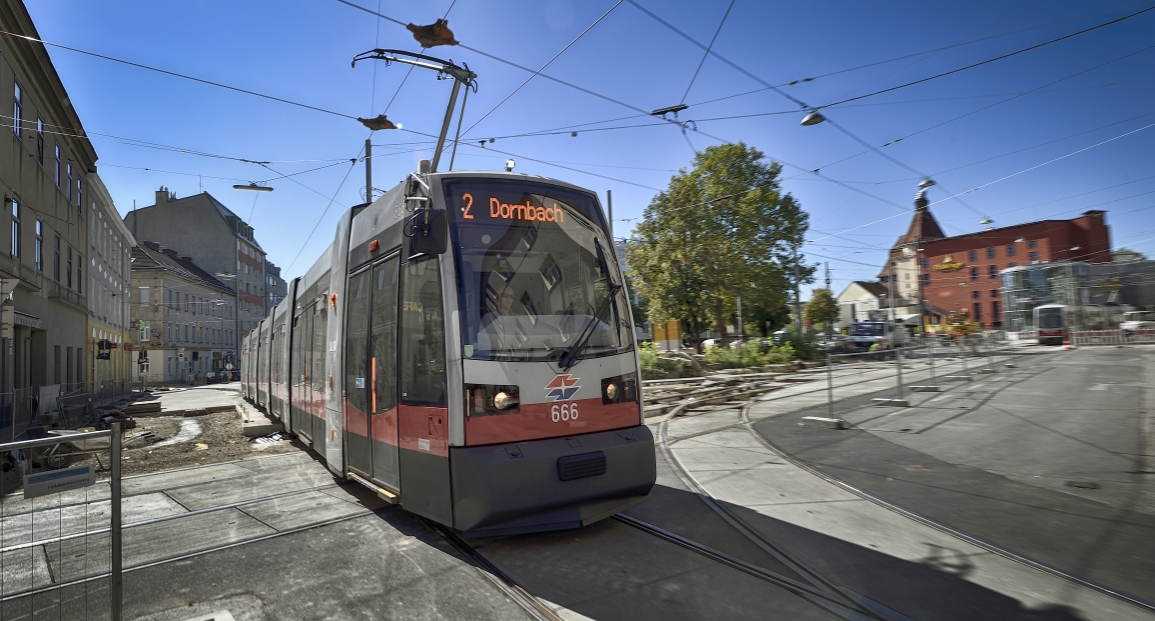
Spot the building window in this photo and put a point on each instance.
(56, 176)
(1034, 256)
(40, 141)
(68, 188)
(974, 273)
(994, 293)
(1031, 244)
(990, 253)
(973, 255)
(56, 252)
(186, 302)
(975, 294)
(993, 271)
(995, 313)
(80, 197)
(15, 227)
(1010, 250)
(79, 273)
(16, 108)
(926, 280)
(39, 246)
(1013, 264)
(978, 312)
(68, 275)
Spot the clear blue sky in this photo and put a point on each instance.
(301, 50)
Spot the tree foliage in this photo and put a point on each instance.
(822, 308)
(720, 230)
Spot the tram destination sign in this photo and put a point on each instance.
(56, 481)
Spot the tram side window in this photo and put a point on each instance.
(320, 326)
(422, 334)
(300, 347)
(357, 343)
(384, 333)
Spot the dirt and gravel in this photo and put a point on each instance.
(169, 442)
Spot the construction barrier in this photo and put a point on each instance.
(1112, 337)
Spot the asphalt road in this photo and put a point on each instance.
(1051, 459)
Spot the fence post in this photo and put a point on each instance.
(115, 586)
(829, 386)
(898, 366)
(933, 382)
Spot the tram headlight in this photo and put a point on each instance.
(504, 400)
(489, 400)
(620, 389)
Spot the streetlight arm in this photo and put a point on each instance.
(462, 74)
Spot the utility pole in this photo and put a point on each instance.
(610, 208)
(797, 295)
(740, 330)
(827, 264)
(369, 170)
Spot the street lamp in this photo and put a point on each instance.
(815, 117)
(253, 187)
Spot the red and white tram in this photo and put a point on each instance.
(465, 348)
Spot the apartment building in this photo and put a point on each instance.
(109, 274)
(46, 165)
(216, 240)
(185, 317)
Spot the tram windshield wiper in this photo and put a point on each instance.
(573, 355)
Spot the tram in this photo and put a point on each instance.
(464, 348)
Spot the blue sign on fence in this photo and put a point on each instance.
(56, 481)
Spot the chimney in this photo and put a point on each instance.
(170, 252)
(162, 196)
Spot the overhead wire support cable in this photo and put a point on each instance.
(178, 75)
(548, 63)
(707, 53)
(989, 60)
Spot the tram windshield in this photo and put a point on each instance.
(535, 270)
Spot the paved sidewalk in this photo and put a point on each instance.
(912, 568)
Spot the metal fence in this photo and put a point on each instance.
(1113, 337)
(60, 529)
(926, 365)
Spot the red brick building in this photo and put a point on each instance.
(962, 272)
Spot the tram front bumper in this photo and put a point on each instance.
(507, 489)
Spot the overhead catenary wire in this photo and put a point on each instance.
(937, 52)
(543, 67)
(178, 75)
(991, 60)
(998, 103)
(706, 54)
(332, 200)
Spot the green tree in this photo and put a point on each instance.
(822, 308)
(720, 230)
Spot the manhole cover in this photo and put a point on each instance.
(1083, 484)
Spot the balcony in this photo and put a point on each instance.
(58, 291)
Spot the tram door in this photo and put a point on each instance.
(370, 374)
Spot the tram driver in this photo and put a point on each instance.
(499, 327)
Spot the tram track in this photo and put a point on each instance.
(873, 609)
(1032, 563)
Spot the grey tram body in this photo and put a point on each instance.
(294, 369)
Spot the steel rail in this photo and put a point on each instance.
(834, 604)
(165, 518)
(831, 589)
(181, 557)
(943, 528)
(491, 572)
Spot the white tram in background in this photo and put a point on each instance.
(464, 348)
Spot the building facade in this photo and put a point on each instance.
(943, 275)
(109, 287)
(216, 240)
(275, 287)
(45, 164)
(185, 317)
